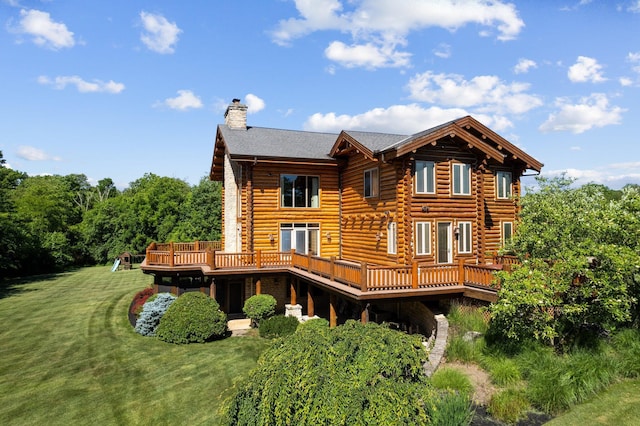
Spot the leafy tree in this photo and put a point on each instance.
(350, 375)
(202, 213)
(580, 275)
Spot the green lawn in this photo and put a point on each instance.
(69, 356)
(619, 405)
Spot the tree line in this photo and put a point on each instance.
(51, 223)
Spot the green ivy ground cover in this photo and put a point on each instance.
(68, 355)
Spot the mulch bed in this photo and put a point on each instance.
(483, 418)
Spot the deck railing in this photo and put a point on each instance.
(358, 275)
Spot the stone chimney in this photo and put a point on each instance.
(236, 115)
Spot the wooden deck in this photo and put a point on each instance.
(357, 280)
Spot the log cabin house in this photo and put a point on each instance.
(356, 224)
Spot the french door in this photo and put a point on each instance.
(445, 254)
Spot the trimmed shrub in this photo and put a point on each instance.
(139, 300)
(259, 307)
(193, 317)
(152, 312)
(278, 326)
(317, 324)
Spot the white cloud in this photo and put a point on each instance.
(401, 119)
(524, 65)
(590, 112)
(45, 32)
(485, 93)
(379, 27)
(576, 148)
(254, 103)
(443, 51)
(625, 81)
(34, 154)
(367, 55)
(611, 175)
(160, 35)
(634, 7)
(586, 70)
(185, 100)
(94, 86)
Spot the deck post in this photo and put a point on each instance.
(172, 262)
(212, 289)
(414, 274)
(148, 253)
(258, 259)
(258, 286)
(461, 271)
(294, 295)
(364, 315)
(333, 317)
(363, 276)
(310, 305)
(293, 254)
(309, 262)
(196, 246)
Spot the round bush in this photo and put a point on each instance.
(152, 311)
(259, 307)
(278, 326)
(193, 317)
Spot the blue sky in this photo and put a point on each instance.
(120, 88)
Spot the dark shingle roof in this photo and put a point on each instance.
(266, 142)
(376, 141)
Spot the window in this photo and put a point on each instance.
(503, 184)
(507, 231)
(425, 177)
(461, 179)
(303, 237)
(299, 191)
(371, 183)
(392, 238)
(423, 238)
(464, 237)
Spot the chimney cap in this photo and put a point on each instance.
(235, 101)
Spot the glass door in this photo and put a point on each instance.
(444, 242)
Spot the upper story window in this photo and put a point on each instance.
(392, 238)
(461, 179)
(464, 237)
(299, 191)
(503, 184)
(425, 177)
(371, 183)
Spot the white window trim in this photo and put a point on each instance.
(375, 182)
(507, 186)
(455, 172)
(392, 238)
(465, 228)
(420, 250)
(307, 227)
(426, 177)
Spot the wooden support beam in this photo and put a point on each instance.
(310, 304)
(364, 314)
(258, 286)
(294, 295)
(333, 317)
(212, 289)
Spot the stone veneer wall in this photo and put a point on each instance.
(273, 285)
